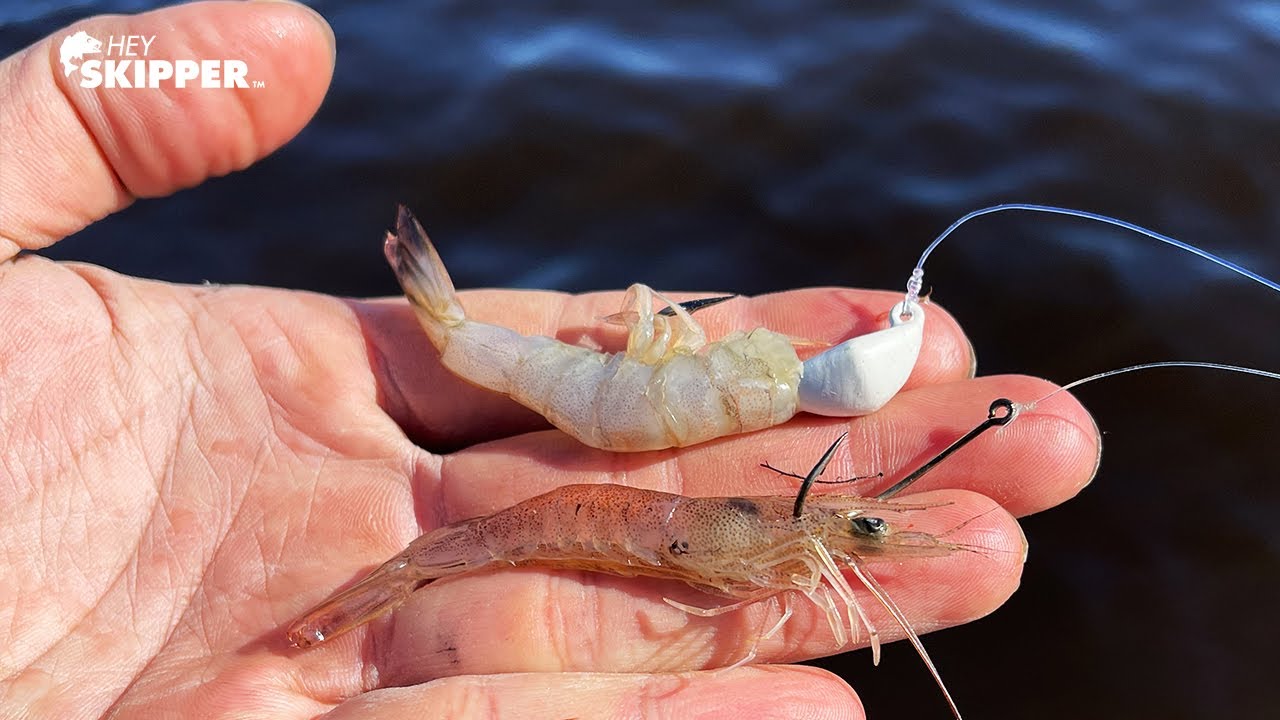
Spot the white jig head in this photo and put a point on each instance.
(860, 375)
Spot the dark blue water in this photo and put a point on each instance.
(761, 146)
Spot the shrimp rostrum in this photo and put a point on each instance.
(670, 388)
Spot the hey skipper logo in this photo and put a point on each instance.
(126, 63)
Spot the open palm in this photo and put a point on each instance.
(183, 470)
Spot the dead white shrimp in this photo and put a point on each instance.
(670, 388)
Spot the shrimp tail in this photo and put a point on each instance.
(381, 591)
(445, 551)
(423, 277)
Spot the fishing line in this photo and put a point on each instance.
(916, 282)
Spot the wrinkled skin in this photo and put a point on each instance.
(185, 469)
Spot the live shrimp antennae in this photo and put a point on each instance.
(813, 475)
(916, 282)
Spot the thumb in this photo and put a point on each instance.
(71, 154)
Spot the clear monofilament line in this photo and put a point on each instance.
(916, 282)
(1148, 366)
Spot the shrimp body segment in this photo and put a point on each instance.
(671, 388)
(741, 548)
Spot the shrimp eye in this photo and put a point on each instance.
(873, 526)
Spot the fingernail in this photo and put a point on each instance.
(1097, 461)
(973, 358)
(1026, 546)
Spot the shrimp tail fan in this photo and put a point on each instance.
(422, 275)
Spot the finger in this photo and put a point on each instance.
(759, 692)
(441, 411)
(534, 620)
(114, 144)
(1042, 458)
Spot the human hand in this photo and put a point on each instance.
(186, 469)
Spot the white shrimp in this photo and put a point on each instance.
(670, 388)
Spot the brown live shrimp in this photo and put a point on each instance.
(745, 549)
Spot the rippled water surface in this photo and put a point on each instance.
(761, 146)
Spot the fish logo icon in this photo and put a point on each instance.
(75, 47)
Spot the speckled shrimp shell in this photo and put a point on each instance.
(671, 388)
(744, 548)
